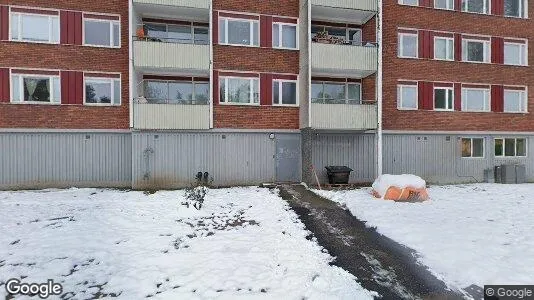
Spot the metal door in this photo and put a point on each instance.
(288, 159)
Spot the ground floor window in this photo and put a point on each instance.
(475, 99)
(102, 91)
(407, 96)
(177, 92)
(510, 147)
(35, 88)
(515, 101)
(472, 147)
(239, 90)
(284, 92)
(443, 98)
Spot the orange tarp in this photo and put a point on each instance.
(406, 194)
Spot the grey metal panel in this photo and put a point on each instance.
(355, 61)
(231, 158)
(356, 151)
(204, 4)
(40, 160)
(171, 116)
(343, 116)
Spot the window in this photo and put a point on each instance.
(284, 92)
(239, 90)
(172, 33)
(475, 99)
(515, 54)
(408, 45)
(352, 36)
(239, 32)
(444, 48)
(285, 36)
(515, 8)
(409, 2)
(178, 92)
(104, 33)
(511, 147)
(476, 6)
(407, 97)
(35, 88)
(34, 28)
(444, 4)
(336, 92)
(475, 50)
(102, 91)
(472, 147)
(443, 98)
(515, 101)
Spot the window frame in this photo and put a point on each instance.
(19, 27)
(486, 46)
(523, 10)
(192, 27)
(486, 5)
(280, 89)
(448, 90)
(523, 49)
(401, 2)
(399, 96)
(503, 149)
(172, 101)
(111, 35)
(251, 100)
(447, 41)
(487, 103)
(53, 100)
(448, 8)
(523, 99)
(251, 24)
(111, 80)
(400, 38)
(280, 37)
(472, 145)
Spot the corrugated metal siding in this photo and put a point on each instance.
(357, 60)
(39, 160)
(356, 151)
(204, 4)
(348, 4)
(343, 116)
(175, 158)
(438, 160)
(171, 116)
(171, 56)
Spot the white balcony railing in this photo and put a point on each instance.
(369, 5)
(171, 116)
(202, 4)
(345, 60)
(163, 55)
(343, 116)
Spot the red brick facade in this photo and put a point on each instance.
(68, 58)
(398, 16)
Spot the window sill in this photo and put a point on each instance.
(35, 103)
(101, 105)
(239, 104)
(238, 45)
(33, 42)
(286, 105)
(282, 48)
(407, 109)
(99, 46)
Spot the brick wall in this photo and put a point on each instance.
(260, 117)
(451, 71)
(287, 8)
(68, 57)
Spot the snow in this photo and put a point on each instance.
(477, 234)
(384, 182)
(245, 243)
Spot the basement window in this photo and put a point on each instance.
(473, 147)
(511, 147)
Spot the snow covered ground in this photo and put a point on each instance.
(245, 243)
(466, 234)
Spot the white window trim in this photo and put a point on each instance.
(280, 38)
(251, 24)
(448, 89)
(401, 2)
(19, 25)
(503, 155)
(486, 8)
(523, 11)
(103, 80)
(53, 100)
(472, 145)
(399, 96)
(524, 95)
(112, 37)
(448, 8)
(400, 41)
(524, 59)
(486, 43)
(280, 81)
(486, 109)
(447, 41)
(251, 100)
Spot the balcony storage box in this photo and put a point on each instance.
(338, 174)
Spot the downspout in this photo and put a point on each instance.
(211, 63)
(308, 7)
(379, 95)
(130, 61)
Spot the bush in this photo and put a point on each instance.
(195, 194)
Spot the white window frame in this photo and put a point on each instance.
(280, 37)
(523, 10)
(486, 51)
(447, 8)
(487, 102)
(53, 99)
(524, 100)
(503, 139)
(399, 96)
(486, 7)
(251, 100)
(524, 50)
(280, 81)
(401, 49)
(472, 145)
(110, 80)
(448, 42)
(402, 3)
(111, 35)
(448, 90)
(19, 25)
(251, 24)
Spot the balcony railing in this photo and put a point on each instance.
(365, 5)
(349, 116)
(344, 58)
(186, 114)
(199, 4)
(153, 53)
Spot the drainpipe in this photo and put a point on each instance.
(308, 9)
(379, 96)
(211, 64)
(130, 61)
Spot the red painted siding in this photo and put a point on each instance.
(426, 95)
(457, 47)
(4, 85)
(71, 87)
(216, 92)
(458, 5)
(497, 98)
(426, 44)
(497, 50)
(215, 28)
(497, 7)
(266, 88)
(266, 31)
(458, 96)
(71, 27)
(4, 22)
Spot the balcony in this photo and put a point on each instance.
(160, 56)
(343, 116)
(193, 8)
(331, 59)
(348, 11)
(171, 116)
